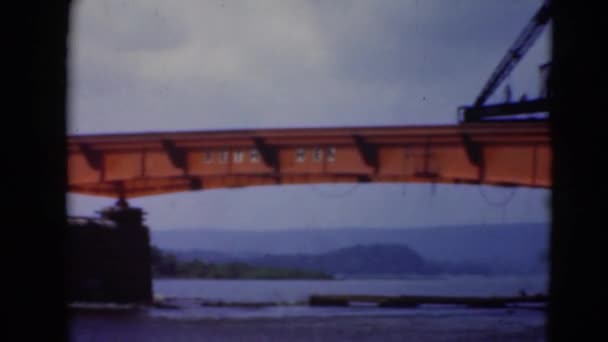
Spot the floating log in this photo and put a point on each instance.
(414, 301)
(248, 304)
(238, 304)
(164, 305)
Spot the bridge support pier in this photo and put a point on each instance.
(109, 257)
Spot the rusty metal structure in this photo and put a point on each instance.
(134, 165)
(508, 111)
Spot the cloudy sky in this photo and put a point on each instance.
(146, 65)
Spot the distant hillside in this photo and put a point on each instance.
(206, 255)
(356, 260)
(512, 248)
(166, 265)
(371, 260)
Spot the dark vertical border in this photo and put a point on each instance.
(36, 172)
(579, 87)
(34, 163)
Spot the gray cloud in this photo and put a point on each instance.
(151, 65)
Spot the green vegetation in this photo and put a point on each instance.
(167, 265)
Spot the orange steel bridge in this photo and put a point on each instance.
(142, 164)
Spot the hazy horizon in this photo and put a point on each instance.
(337, 228)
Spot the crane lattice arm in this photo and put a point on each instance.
(516, 52)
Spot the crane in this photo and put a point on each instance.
(479, 112)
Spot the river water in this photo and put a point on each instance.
(295, 321)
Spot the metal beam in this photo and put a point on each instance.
(369, 152)
(176, 155)
(196, 184)
(269, 154)
(477, 114)
(477, 153)
(93, 157)
(474, 153)
(364, 179)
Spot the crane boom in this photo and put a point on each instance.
(516, 52)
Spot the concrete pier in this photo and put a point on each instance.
(108, 258)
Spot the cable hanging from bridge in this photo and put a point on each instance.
(337, 195)
(499, 204)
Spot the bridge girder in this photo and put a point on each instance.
(143, 164)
